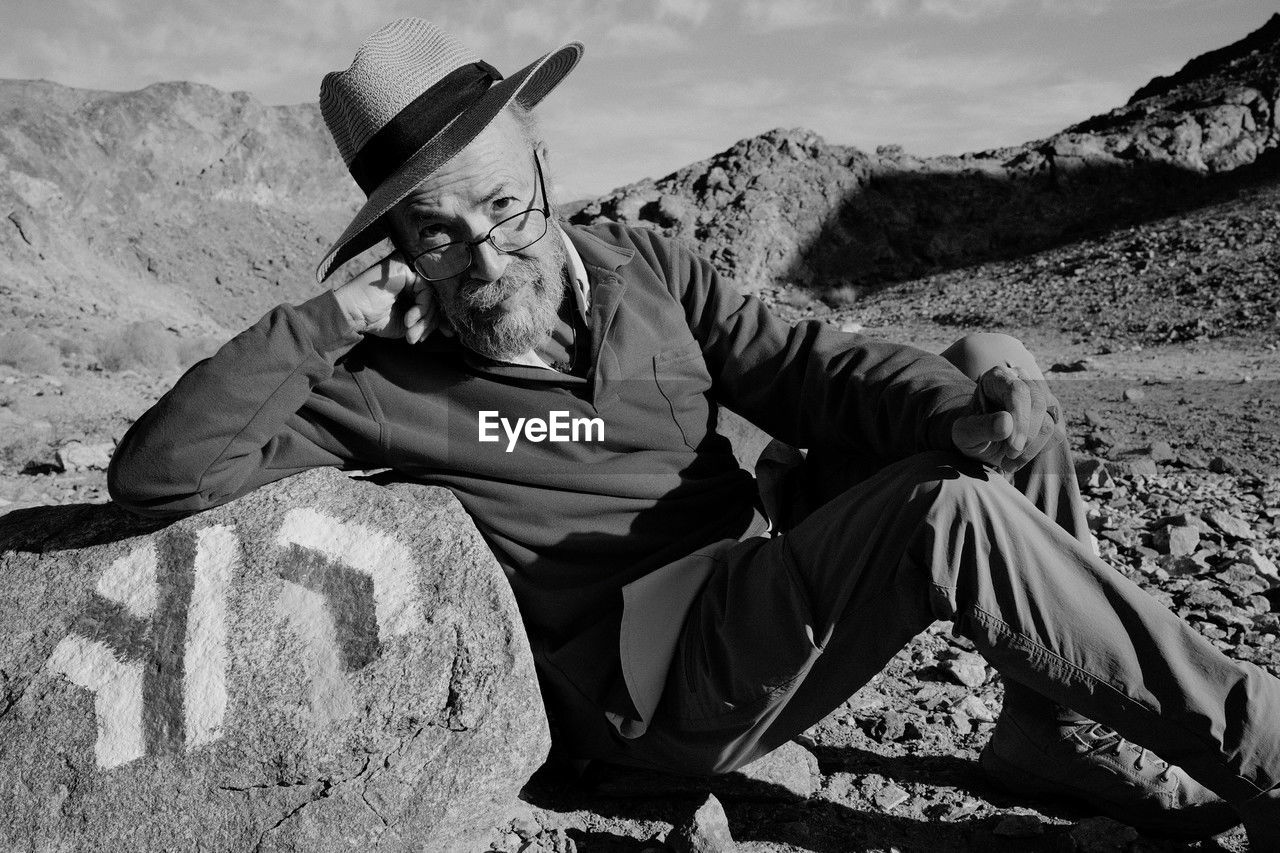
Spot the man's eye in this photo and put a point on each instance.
(505, 203)
(433, 234)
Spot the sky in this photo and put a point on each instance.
(666, 82)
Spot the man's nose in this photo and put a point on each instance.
(487, 263)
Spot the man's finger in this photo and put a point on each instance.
(1026, 399)
(974, 433)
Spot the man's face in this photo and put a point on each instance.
(503, 304)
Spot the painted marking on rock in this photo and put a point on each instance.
(348, 598)
(117, 689)
(131, 582)
(330, 696)
(387, 561)
(151, 645)
(205, 654)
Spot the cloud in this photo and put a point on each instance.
(740, 95)
(635, 36)
(691, 12)
(774, 15)
(953, 103)
(1094, 8)
(964, 10)
(905, 69)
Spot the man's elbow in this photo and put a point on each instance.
(143, 490)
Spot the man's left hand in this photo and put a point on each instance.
(1012, 418)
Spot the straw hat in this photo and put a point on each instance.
(413, 97)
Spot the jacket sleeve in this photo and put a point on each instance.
(265, 406)
(811, 385)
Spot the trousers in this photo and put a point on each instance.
(789, 626)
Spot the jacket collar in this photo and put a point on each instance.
(595, 251)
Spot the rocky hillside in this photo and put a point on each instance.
(178, 202)
(788, 207)
(199, 209)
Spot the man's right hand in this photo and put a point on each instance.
(390, 300)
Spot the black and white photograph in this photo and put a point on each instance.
(649, 426)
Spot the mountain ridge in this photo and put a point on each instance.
(200, 209)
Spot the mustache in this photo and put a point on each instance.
(488, 295)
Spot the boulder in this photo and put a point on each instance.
(322, 665)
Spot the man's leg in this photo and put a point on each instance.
(788, 628)
(1040, 747)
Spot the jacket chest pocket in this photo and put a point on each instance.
(683, 381)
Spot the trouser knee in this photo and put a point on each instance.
(977, 353)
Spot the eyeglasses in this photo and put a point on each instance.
(438, 263)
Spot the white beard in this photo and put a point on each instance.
(508, 317)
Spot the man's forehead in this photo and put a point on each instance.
(471, 186)
(495, 160)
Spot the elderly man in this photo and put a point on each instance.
(564, 383)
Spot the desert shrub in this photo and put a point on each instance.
(844, 296)
(25, 351)
(73, 348)
(143, 345)
(24, 443)
(191, 350)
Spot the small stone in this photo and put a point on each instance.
(1161, 451)
(1229, 524)
(968, 669)
(1177, 540)
(706, 832)
(671, 210)
(890, 797)
(1178, 564)
(976, 709)
(1080, 365)
(1019, 826)
(1189, 458)
(1101, 835)
(866, 699)
(1143, 467)
(1185, 519)
(1207, 599)
(1134, 395)
(1243, 581)
(852, 327)
(1231, 617)
(525, 827)
(1222, 465)
(1093, 474)
(788, 770)
(1260, 564)
(889, 726)
(77, 456)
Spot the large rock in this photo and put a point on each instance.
(322, 665)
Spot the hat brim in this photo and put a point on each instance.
(528, 86)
